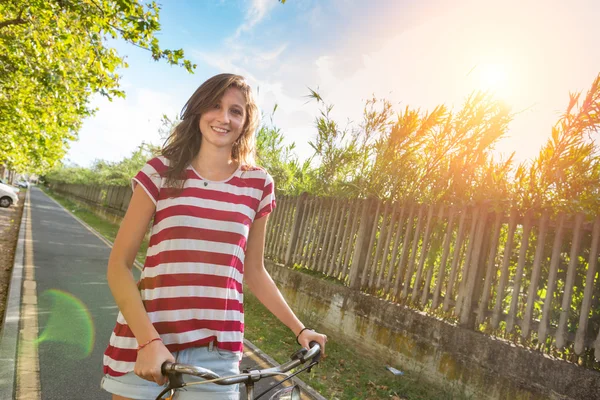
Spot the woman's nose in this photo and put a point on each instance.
(224, 115)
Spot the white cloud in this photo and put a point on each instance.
(257, 11)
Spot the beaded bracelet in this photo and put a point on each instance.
(141, 346)
(297, 337)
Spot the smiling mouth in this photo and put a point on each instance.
(219, 130)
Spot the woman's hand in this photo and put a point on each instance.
(308, 335)
(149, 361)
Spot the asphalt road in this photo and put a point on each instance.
(70, 271)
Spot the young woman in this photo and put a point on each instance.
(209, 205)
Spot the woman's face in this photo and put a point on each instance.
(223, 124)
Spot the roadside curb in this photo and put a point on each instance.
(10, 327)
(306, 389)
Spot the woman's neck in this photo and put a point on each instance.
(214, 165)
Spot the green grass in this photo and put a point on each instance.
(342, 375)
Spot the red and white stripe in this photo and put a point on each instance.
(191, 285)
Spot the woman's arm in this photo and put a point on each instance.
(262, 286)
(124, 289)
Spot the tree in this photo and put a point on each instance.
(54, 54)
(414, 155)
(104, 172)
(291, 176)
(565, 174)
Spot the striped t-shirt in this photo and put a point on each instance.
(191, 284)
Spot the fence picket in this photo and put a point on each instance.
(556, 250)
(466, 262)
(305, 230)
(430, 270)
(413, 253)
(379, 246)
(361, 249)
(455, 259)
(285, 232)
(294, 231)
(401, 263)
(279, 230)
(351, 240)
(561, 333)
(473, 270)
(512, 314)
(586, 304)
(395, 250)
(339, 264)
(365, 271)
(301, 234)
(512, 224)
(316, 234)
(327, 267)
(386, 252)
(338, 237)
(324, 240)
(444, 260)
(488, 283)
(535, 274)
(423, 257)
(276, 221)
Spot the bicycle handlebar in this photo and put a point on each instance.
(298, 358)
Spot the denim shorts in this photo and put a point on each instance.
(223, 362)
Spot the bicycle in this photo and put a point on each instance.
(175, 372)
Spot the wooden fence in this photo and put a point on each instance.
(528, 277)
(114, 198)
(521, 276)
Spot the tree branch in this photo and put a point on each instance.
(15, 21)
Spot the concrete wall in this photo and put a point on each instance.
(481, 366)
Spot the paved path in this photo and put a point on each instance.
(67, 265)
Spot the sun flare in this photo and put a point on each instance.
(493, 78)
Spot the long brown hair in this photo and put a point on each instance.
(183, 144)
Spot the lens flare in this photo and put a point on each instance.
(69, 322)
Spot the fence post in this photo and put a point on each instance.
(362, 243)
(295, 227)
(475, 270)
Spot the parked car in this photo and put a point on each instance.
(7, 196)
(14, 188)
(23, 184)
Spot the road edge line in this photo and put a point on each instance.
(10, 327)
(28, 384)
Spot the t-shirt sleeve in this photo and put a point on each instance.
(267, 203)
(150, 178)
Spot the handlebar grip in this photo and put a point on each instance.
(175, 378)
(317, 356)
(165, 368)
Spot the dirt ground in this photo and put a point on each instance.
(10, 220)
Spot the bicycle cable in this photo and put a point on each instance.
(226, 377)
(286, 379)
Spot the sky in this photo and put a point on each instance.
(420, 53)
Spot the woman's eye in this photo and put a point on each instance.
(217, 106)
(237, 111)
